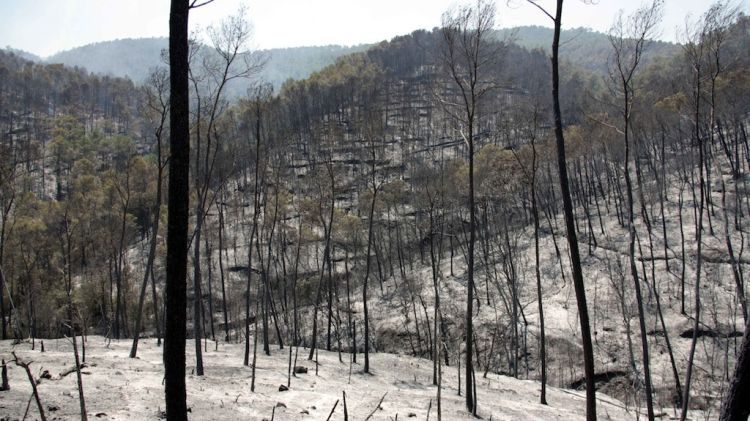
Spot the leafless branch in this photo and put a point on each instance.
(376, 407)
(195, 4)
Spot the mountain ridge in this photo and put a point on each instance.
(135, 57)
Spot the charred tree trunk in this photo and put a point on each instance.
(177, 224)
(575, 260)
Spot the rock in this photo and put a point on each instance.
(723, 332)
(411, 415)
(283, 388)
(298, 369)
(304, 411)
(280, 405)
(53, 408)
(102, 414)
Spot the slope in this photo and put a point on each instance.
(119, 388)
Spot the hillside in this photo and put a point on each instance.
(404, 202)
(119, 388)
(134, 58)
(131, 58)
(22, 54)
(583, 47)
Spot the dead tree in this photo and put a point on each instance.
(159, 103)
(575, 259)
(467, 56)
(33, 382)
(177, 222)
(629, 40)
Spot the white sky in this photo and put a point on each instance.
(45, 27)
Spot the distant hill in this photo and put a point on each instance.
(584, 47)
(134, 58)
(23, 54)
(131, 58)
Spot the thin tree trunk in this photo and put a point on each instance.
(198, 295)
(575, 260)
(367, 275)
(221, 274)
(151, 256)
(732, 259)
(634, 268)
(537, 270)
(699, 257)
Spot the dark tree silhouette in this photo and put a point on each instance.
(575, 258)
(736, 405)
(177, 222)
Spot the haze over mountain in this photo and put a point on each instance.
(134, 58)
(586, 48)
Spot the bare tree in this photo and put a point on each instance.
(629, 40)
(69, 225)
(467, 55)
(158, 103)
(575, 259)
(372, 132)
(259, 94)
(227, 61)
(695, 50)
(702, 50)
(530, 131)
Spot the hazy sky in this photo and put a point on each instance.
(44, 27)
